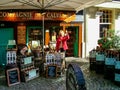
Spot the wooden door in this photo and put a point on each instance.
(5, 35)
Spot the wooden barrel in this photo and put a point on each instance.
(109, 68)
(74, 78)
(100, 61)
(37, 53)
(117, 73)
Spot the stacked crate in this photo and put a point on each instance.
(117, 73)
(116, 54)
(100, 61)
(92, 59)
(109, 68)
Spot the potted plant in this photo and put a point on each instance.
(111, 41)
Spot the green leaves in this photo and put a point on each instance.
(111, 41)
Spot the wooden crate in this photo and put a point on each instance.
(25, 63)
(27, 69)
(29, 74)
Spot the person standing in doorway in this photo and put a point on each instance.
(61, 43)
(61, 46)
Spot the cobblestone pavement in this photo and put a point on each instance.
(93, 81)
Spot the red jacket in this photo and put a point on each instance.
(64, 42)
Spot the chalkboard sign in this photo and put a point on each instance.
(13, 76)
(51, 71)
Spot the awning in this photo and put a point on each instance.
(111, 4)
(73, 5)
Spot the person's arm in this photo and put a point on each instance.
(66, 37)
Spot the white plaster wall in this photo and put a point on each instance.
(83, 43)
(117, 24)
(92, 34)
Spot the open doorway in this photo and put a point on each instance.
(72, 42)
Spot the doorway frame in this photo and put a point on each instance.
(64, 25)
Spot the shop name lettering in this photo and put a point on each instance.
(17, 14)
(53, 15)
(56, 14)
(31, 15)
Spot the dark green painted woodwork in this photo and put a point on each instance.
(5, 35)
(76, 42)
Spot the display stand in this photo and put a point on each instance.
(11, 70)
(11, 52)
(53, 61)
(27, 69)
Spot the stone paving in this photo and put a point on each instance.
(93, 81)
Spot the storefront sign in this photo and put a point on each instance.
(34, 15)
(53, 15)
(17, 14)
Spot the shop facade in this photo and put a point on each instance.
(25, 26)
(98, 19)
